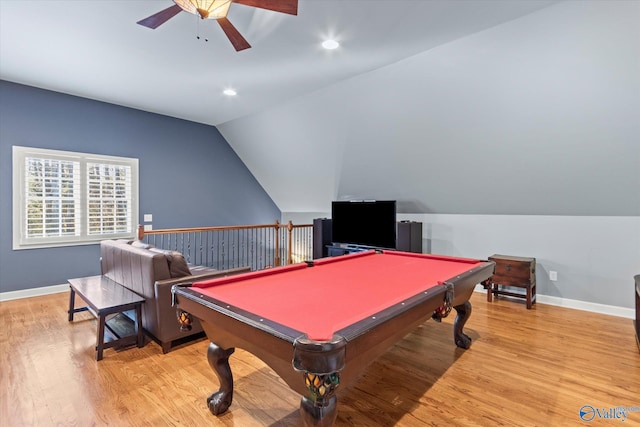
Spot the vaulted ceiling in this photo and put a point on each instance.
(94, 49)
(448, 106)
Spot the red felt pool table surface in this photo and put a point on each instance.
(335, 292)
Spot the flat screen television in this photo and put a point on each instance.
(364, 223)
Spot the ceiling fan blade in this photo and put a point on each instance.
(282, 6)
(154, 21)
(234, 35)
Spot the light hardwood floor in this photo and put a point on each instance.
(525, 368)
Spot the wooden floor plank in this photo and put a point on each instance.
(525, 368)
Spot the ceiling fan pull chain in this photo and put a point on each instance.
(198, 30)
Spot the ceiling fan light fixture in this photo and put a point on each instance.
(205, 9)
(217, 9)
(330, 44)
(230, 92)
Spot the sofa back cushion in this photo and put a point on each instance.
(178, 266)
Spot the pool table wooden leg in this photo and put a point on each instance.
(463, 312)
(218, 358)
(318, 415)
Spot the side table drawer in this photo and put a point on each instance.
(513, 271)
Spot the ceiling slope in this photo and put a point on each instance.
(95, 49)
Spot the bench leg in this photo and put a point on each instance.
(138, 325)
(100, 337)
(529, 297)
(72, 303)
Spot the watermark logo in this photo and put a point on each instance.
(620, 413)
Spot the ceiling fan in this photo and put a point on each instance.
(217, 9)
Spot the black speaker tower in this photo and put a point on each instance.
(321, 237)
(409, 237)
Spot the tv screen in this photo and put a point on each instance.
(364, 223)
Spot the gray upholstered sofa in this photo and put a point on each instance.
(151, 272)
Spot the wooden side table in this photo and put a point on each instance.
(516, 272)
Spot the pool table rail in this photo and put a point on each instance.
(230, 329)
(274, 328)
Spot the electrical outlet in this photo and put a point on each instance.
(553, 276)
(147, 227)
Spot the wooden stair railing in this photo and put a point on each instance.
(222, 247)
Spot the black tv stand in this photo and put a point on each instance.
(338, 249)
(408, 239)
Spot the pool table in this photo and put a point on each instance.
(319, 324)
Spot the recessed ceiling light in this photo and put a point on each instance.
(230, 92)
(330, 44)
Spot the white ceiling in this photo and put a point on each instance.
(95, 49)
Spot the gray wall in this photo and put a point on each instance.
(189, 176)
(595, 257)
(536, 116)
(522, 139)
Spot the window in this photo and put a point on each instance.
(62, 198)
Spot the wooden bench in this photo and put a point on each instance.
(105, 297)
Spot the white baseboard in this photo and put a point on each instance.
(35, 292)
(628, 313)
(593, 307)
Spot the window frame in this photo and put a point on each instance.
(20, 238)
